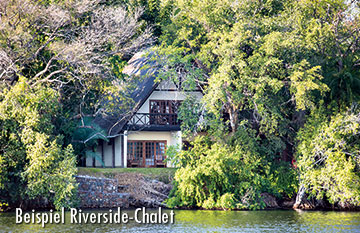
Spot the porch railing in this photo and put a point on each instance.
(154, 119)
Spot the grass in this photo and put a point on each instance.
(165, 175)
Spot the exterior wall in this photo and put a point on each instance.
(172, 138)
(163, 93)
(149, 135)
(125, 148)
(118, 151)
(108, 154)
(89, 162)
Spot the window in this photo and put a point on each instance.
(164, 106)
(164, 112)
(135, 152)
(146, 153)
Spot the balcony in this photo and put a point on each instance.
(154, 122)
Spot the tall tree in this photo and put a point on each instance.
(60, 61)
(265, 65)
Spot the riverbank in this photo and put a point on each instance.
(101, 188)
(150, 187)
(146, 187)
(209, 221)
(131, 187)
(165, 175)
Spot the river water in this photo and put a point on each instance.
(210, 221)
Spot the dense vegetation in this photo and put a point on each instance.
(60, 63)
(284, 77)
(281, 82)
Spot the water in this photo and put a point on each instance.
(211, 221)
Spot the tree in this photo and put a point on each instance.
(246, 69)
(265, 65)
(328, 158)
(33, 162)
(332, 30)
(78, 48)
(74, 47)
(215, 175)
(60, 63)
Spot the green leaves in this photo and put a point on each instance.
(228, 176)
(50, 174)
(33, 162)
(328, 160)
(305, 79)
(264, 65)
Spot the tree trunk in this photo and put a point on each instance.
(300, 197)
(233, 119)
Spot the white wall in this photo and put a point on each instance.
(107, 154)
(149, 135)
(118, 151)
(166, 95)
(89, 162)
(171, 137)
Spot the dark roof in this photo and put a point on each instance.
(145, 69)
(141, 66)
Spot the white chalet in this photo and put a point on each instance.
(141, 139)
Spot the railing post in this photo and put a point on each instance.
(160, 119)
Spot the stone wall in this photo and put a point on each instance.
(97, 192)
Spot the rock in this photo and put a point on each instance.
(143, 192)
(269, 200)
(95, 192)
(287, 203)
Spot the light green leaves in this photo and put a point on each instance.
(305, 79)
(33, 163)
(328, 158)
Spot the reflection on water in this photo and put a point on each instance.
(211, 221)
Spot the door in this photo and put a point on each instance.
(146, 153)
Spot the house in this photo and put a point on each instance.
(141, 138)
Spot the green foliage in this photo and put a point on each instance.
(88, 132)
(193, 116)
(264, 66)
(252, 58)
(283, 180)
(3, 206)
(156, 12)
(328, 157)
(33, 162)
(227, 201)
(172, 155)
(85, 139)
(217, 175)
(50, 174)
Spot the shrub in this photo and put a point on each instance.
(328, 157)
(219, 175)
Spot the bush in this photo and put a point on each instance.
(328, 157)
(219, 175)
(33, 162)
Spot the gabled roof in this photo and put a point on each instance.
(141, 66)
(144, 68)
